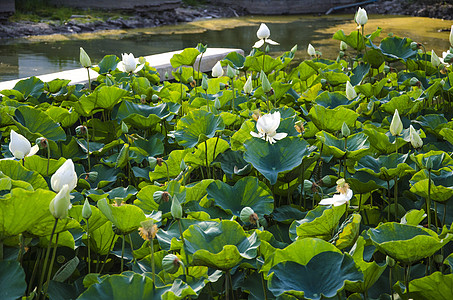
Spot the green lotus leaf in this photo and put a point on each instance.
(65, 239)
(413, 217)
(396, 48)
(237, 60)
(142, 116)
(220, 245)
(320, 222)
(46, 223)
(96, 220)
(198, 158)
(126, 217)
(447, 134)
(56, 85)
(333, 100)
(435, 286)
(385, 167)
(371, 270)
(356, 145)
(39, 164)
(12, 280)
(439, 160)
(232, 162)
(21, 210)
(174, 161)
(248, 191)
(196, 127)
(374, 57)
(270, 160)
(370, 90)
(166, 236)
(14, 170)
(347, 234)
(123, 193)
(335, 78)
(354, 39)
(242, 135)
(441, 185)
(34, 124)
(331, 120)
(258, 63)
(287, 214)
(403, 104)
(102, 238)
(323, 276)
(363, 183)
(186, 58)
(406, 243)
(103, 97)
(123, 157)
(383, 142)
(32, 86)
(153, 146)
(432, 123)
(301, 251)
(107, 64)
(105, 176)
(449, 261)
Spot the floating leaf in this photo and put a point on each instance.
(12, 280)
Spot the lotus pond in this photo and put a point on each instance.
(329, 178)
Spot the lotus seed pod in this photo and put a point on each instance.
(176, 208)
(390, 261)
(171, 263)
(152, 162)
(160, 196)
(81, 130)
(345, 130)
(245, 214)
(86, 210)
(42, 142)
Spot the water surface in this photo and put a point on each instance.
(46, 54)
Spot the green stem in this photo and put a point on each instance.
(153, 267)
(107, 255)
(227, 286)
(1, 249)
(388, 201)
(231, 283)
(122, 253)
(48, 158)
(406, 277)
(232, 100)
(88, 153)
(396, 182)
(46, 259)
(435, 216)
(89, 79)
(428, 200)
(168, 172)
(364, 43)
(132, 247)
(88, 247)
(390, 283)
(52, 260)
(207, 163)
(264, 286)
(186, 265)
(35, 270)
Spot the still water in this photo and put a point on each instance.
(46, 54)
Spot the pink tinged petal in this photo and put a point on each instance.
(271, 42)
(258, 44)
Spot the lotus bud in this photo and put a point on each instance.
(85, 60)
(265, 82)
(124, 127)
(323, 82)
(182, 165)
(166, 75)
(416, 141)
(176, 208)
(155, 98)
(217, 103)
(343, 46)
(396, 126)
(245, 214)
(204, 83)
(222, 85)
(311, 50)
(435, 60)
(171, 263)
(191, 81)
(60, 205)
(65, 175)
(159, 161)
(293, 49)
(326, 180)
(263, 32)
(451, 36)
(414, 81)
(230, 72)
(345, 130)
(92, 176)
(390, 261)
(266, 49)
(341, 54)
(81, 130)
(414, 46)
(42, 143)
(429, 163)
(248, 86)
(152, 162)
(217, 70)
(350, 91)
(307, 185)
(86, 210)
(386, 69)
(361, 17)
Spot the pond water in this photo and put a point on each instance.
(46, 54)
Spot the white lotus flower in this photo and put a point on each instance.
(267, 128)
(361, 17)
(435, 60)
(396, 126)
(217, 70)
(311, 50)
(350, 92)
(60, 205)
(130, 63)
(248, 86)
(451, 36)
(415, 138)
(339, 199)
(263, 35)
(65, 175)
(20, 147)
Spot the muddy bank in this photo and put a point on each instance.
(428, 8)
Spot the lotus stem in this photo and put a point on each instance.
(132, 247)
(364, 43)
(35, 269)
(231, 284)
(428, 200)
(153, 265)
(88, 153)
(21, 248)
(52, 260)
(88, 247)
(105, 259)
(407, 274)
(207, 163)
(390, 283)
(122, 253)
(232, 100)
(264, 286)
(1, 249)
(183, 245)
(168, 172)
(89, 79)
(227, 286)
(388, 201)
(48, 158)
(46, 259)
(302, 194)
(199, 64)
(435, 216)
(396, 182)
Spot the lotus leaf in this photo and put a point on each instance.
(242, 135)
(14, 170)
(248, 191)
(12, 280)
(347, 234)
(39, 164)
(406, 243)
(355, 146)
(186, 58)
(102, 238)
(447, 134)
(196, 127)
(441, 188)
(103, 97)
(96, 220)
(220, 245)
(200, 157)
(435, 286)
(323, 276)
(270, 160)
(126, 217)
(232, 162)
(432, 123)
(331, 120)
(439, 160)
(385, 167)
(413, 217)
(174, 161)
(32, 86)
(142, 116)
(396, 48)
(107, 64)
(320, 222)
(333, 100)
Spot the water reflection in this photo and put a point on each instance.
(40, 55)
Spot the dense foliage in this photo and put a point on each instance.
(210, 185)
